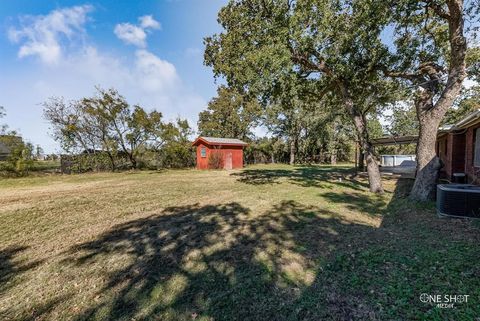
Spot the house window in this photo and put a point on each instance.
(203, 152)
(476, 155)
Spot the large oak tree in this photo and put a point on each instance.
(334, 44)
(428, 53)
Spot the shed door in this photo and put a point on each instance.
(228, 161)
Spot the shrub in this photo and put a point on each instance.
(20, 158)
(92, 162)
(215, 160)
(178, 155)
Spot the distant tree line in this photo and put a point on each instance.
(310, 132)
(298, 132)
(105, 132)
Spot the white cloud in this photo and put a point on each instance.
(148, 22)
(143, 78)
(131, 34)
(153, 73)
(41, 35)
(136, 34)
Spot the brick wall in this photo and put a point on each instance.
(458, 152)
(473, 173)
(444, 152)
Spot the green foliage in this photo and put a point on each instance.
(177, 151)
(267, 45)
(421, 44)
(469, 102)
(105, 127)
(319, 130)
(423, 53)
(88, 162)
(230, 115)
(473, 63)
(403, 121)
(20, 159)
(38, 152)
(375, 127)
(266, 150)
(3, 127)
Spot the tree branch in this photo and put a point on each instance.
(438, 10)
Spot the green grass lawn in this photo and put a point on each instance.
(266, 243)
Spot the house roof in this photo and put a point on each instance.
(6, 142)
(394, 140)
(219, 141)
(4, 149)
(471, 119)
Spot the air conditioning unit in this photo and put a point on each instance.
(458, 200)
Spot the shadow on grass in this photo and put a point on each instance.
(11, 267)
(306, 176)
(37, 311)
(412, 252)
(215, 263)
(291, 262)
(366, 204)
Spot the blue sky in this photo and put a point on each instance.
(151, 51)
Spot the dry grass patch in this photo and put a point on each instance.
(265, 243)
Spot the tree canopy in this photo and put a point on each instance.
(230, 114)
(327, 46)
(107, 123)
(365, 54)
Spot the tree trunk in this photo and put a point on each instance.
(360, 123)
(428, 164)
(112, 161)
(132, 160)
(359, 120)
(361, 160)
(430, 115)
(333, 158)
(374, 178)
(292, 152)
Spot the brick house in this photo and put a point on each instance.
(458, 146)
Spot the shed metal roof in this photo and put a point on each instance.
(220, 141)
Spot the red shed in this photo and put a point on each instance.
(230, 151)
